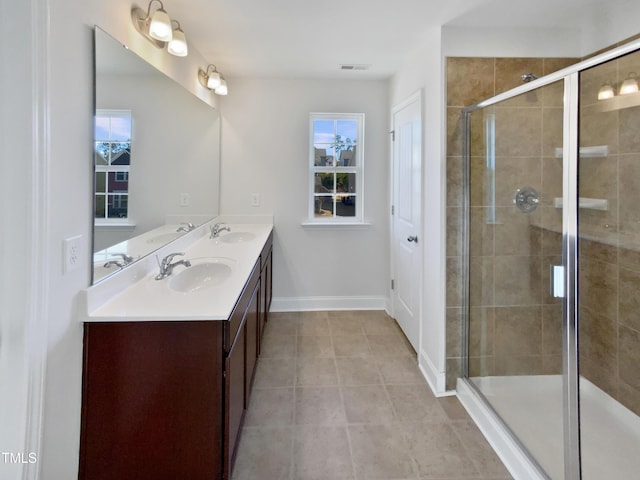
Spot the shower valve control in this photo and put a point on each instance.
(526, 199)
(412, 238)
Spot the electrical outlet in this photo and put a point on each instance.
(255, 199)
(184, 199)
(72, 249)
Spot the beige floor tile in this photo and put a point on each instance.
(314, 323)
(367, 404)
(281, 324)
(415, 403)
(278, 346)
(375, 323)
(319, 406)
(351, 346)
(437, 450)
(399, 370)
(314, 346)
(274, 372)
(358, 371)
(389, 345)
(316, 371)
(479, 450)
(270, 407)
(453, 408)
(264, 453)
(344, 324)
(380, 452)
(322, 453)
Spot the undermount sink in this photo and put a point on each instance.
(237, 237)
(203, 273)
(164, 237)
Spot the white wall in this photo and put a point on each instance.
(265, 149)
(46, 49)
(423, 69)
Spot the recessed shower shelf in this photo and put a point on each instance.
(589, 152)
(585, 202)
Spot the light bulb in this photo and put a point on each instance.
(630, 85)
(605, 92)
(178, 44)
(222, 88)
(160, 26)
(213, 81)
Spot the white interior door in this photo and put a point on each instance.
(406, 217)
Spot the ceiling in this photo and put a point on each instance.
(305, 38)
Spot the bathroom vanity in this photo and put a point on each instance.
(168, 368)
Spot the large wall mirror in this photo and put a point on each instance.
(157, 158)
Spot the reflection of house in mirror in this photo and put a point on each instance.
(321, 157)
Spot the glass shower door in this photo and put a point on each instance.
(609, 269)
(514, 336)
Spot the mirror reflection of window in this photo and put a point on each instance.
(113, 160)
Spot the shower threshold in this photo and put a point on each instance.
(531, 406)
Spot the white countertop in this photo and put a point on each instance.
(135, 295)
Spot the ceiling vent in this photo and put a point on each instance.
(354, 66)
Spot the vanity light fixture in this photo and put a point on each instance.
(630, 85)
(213, 80)
(222, 88)
(159, 29)
(178, 44)
(606, 91)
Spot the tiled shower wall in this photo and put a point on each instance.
(470, 80)
(609, 248)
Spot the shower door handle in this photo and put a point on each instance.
(556, 276)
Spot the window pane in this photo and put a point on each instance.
(121, 128)
(323, 131)
(346, 206)
(120, 153)
(346, 183)
(102, 153)
(118, 182)
(347, 131)
(323, 206)
(324, 155)
(347, 157)
(102, 128)
(101, 182)
(324, 182)
(117, 206)
(100, 206)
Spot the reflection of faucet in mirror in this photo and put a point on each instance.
(187, 228)
(166, 267)
(216, 229)
(126, 260)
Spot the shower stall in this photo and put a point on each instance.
(551, 229)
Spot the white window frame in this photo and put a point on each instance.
(117, 169)
(357, 169)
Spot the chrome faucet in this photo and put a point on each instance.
(187, 228)
(166, 267)
(216, 229)
(126, 260)
(112, 263)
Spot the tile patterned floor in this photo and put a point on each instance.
(338, 396)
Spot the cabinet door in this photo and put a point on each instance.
(235, 397)
(252, 317)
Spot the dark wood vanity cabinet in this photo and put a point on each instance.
(167, 399)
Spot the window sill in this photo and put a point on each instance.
(336, 225)
(115, 225)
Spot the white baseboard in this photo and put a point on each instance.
(302, 304)
(435, 378)
(517, 462)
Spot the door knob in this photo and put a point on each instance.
(412, 238)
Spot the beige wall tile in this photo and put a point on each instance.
(518, 331)
(518, 132)
(469, 80)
